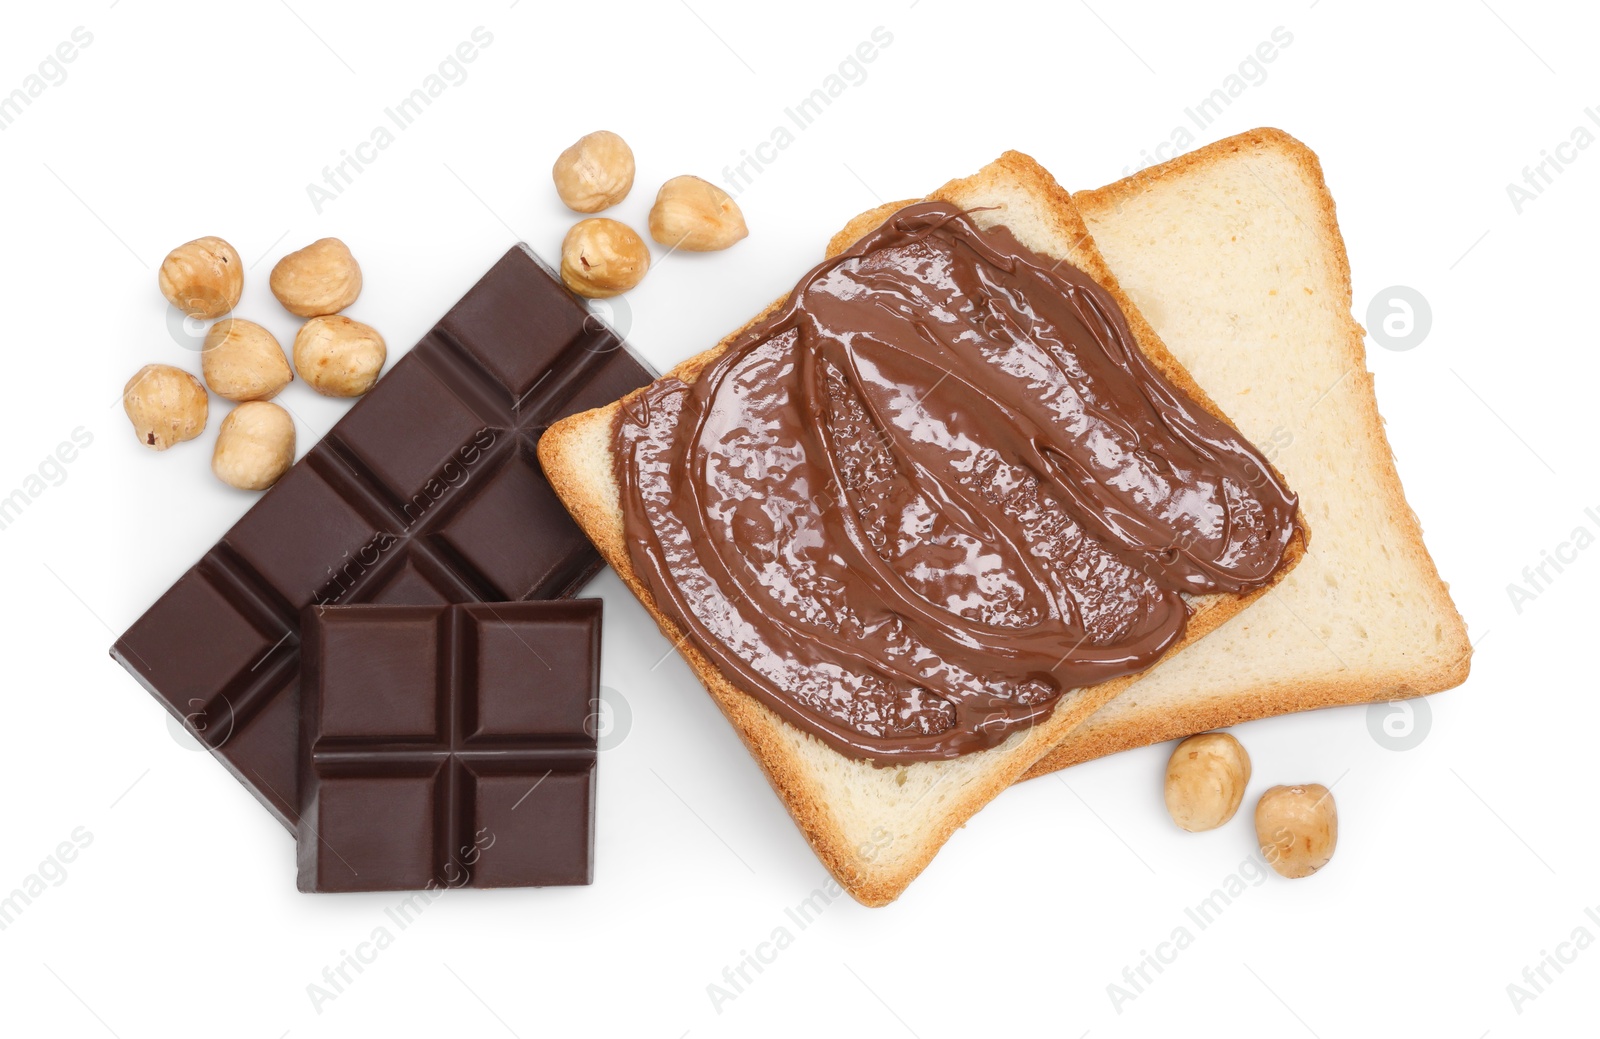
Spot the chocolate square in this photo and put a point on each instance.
(380, 675)
(386, 833)
(418, 580)
(540, 327)
(302, 537)
(413, 432)
(511, 652)
(197, 677)
(534, 835)
(404, 784)
(493, 533)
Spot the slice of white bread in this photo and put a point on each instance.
(1232, 252)
(875, 828)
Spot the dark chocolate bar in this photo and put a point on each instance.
(448, 746)
(427, 492)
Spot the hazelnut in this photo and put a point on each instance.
(339, 357)
(594, 173)
(323, 278)
(602, 257)
(242, 361)
(1297, 827)
(696, 215)
(166, 405)
(1206, 777)
(202, 278)
(254, 446)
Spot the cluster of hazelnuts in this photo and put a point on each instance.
(242, 362)
(339, 357)
(1296, 826)
(601, 257)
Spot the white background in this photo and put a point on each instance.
(1461, 861)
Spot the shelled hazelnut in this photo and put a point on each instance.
(594, 173)
(243, 361)
(323, 278)
(202, 278)
(696, 215)
(166, 405)
(255, 445)
(602, 257)
(339, 357)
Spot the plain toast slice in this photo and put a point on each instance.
(1233, 254)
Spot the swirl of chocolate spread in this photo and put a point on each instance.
(936, 490)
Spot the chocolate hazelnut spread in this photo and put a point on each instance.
(936, 490)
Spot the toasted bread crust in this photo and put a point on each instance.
(576, 455)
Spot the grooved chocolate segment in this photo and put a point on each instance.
(497, 657)
(427, 492)
(303, 539)
(448, 746)
(198, 680)
(407, 455)
(386, 827)
(418, 581)
(380, 680)
(543, 327)
(513, 564)
(549, 824)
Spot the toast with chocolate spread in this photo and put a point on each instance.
(1234, 255)
(925, 515)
